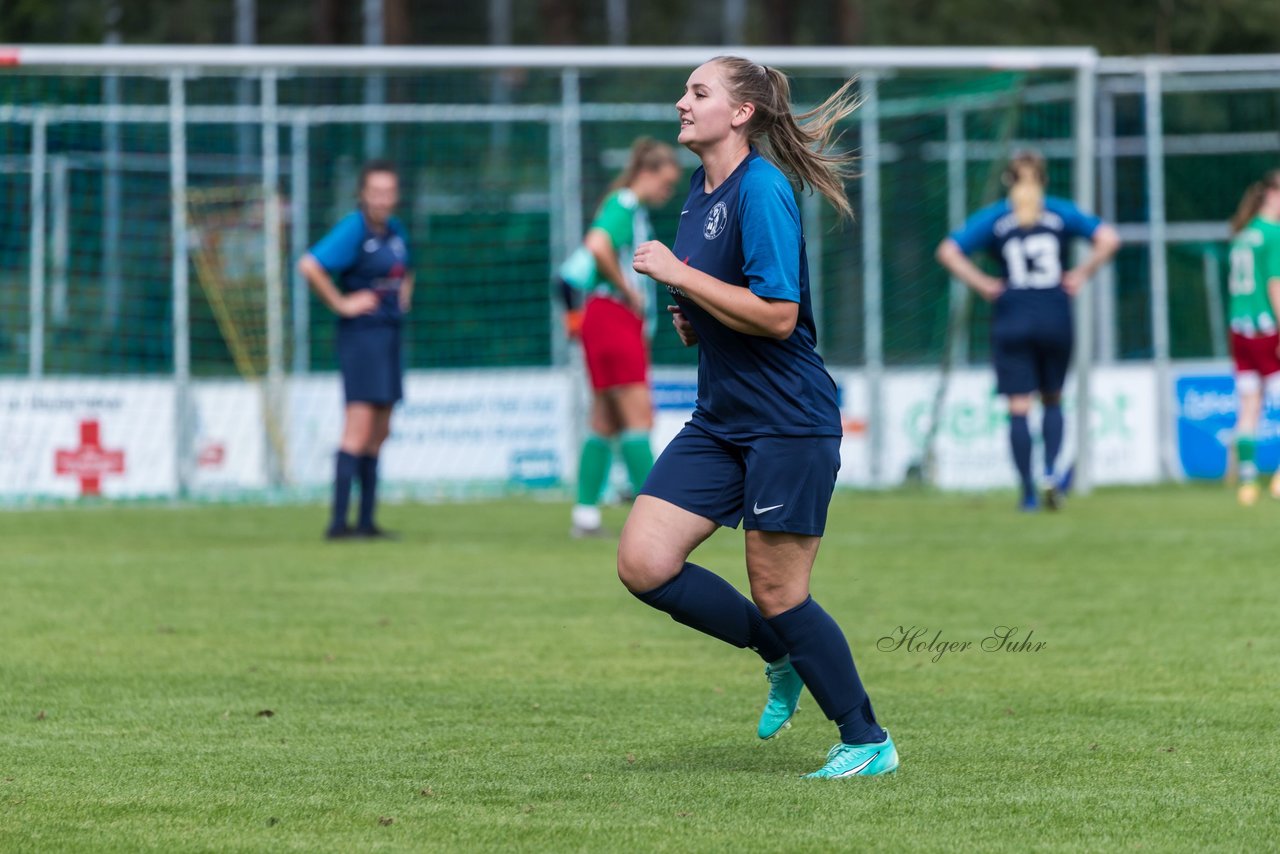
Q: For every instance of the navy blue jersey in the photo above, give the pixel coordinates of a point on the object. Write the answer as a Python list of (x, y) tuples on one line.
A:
[(357, 257), (747, 233), (1031, 258)]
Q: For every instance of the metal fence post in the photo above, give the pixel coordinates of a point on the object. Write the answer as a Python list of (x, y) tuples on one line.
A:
[(36, 283), (1105, 281), (299, 226), (181, 283), (1157, 253), (872, 282), (273, 255), (1084, 173), (957, 203), (569, 135), (811, 219)]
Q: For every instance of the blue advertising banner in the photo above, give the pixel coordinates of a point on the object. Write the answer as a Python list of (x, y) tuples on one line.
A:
[(1206, 426)]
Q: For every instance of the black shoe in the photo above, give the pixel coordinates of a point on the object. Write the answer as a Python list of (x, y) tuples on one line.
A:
[(335, 533), (373, 532)]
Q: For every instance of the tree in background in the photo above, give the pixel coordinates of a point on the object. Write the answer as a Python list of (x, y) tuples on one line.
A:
[(1163, 26)]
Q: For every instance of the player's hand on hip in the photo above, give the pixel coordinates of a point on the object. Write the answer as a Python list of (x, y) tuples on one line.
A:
[(656, 261), (1073, 281), (683, 327), (357, 303), (991, 289), (635, 302)]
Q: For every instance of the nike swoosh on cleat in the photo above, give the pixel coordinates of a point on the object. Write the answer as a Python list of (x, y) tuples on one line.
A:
[(862, 766), (757, 509), (682, 213)]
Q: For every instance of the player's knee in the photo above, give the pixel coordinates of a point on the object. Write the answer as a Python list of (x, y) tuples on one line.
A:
[(1051, 398), (640, 569), (634, 571), (1271, 389), (775, 596), (354, 442), (640, 421), (1019, 404), (603, 425)]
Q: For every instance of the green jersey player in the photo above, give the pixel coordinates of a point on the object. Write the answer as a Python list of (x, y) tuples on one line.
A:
[(1255, 304), (616, 324)]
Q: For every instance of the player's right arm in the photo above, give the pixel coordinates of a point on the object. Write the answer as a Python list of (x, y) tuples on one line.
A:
[(337, 251), (600, 244), (954, 251), (343, 305), (954, 259), (1272, 250)]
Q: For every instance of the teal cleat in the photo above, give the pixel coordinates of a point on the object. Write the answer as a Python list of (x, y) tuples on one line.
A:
[(785, 686), (858, 760)]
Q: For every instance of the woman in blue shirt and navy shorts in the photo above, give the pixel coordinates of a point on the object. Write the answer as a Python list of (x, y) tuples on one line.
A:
[(763, 445), (361, 271)]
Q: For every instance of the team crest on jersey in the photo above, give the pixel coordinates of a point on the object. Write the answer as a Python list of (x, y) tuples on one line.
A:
[(371, 245), (716, 221), (397, 246)]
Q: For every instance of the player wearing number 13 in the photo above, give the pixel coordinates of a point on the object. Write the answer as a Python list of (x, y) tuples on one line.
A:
[(1029, 234)]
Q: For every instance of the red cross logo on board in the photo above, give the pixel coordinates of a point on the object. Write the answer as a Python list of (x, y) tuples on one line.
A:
[(90, 461)]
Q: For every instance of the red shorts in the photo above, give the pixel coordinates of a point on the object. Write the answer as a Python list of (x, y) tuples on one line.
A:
[(613, 340), (1255, 357)]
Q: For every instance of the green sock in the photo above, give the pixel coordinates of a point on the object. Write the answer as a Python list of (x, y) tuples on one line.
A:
[(593, 469), (1245, 447), (638, 456)]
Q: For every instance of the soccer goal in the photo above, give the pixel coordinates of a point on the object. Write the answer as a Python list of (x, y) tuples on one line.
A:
[(163, 196)]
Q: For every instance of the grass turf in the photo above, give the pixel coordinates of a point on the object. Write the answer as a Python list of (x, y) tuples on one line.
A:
[(486, 684)]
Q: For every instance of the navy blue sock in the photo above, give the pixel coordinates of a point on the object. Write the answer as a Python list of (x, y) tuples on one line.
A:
[(1020, 441), (368, 467), (820, 654), (1052, 427), (704, 601), (344, 472)]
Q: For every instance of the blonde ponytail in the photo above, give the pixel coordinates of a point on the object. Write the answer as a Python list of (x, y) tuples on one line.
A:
[(1026, 177), (799, 145)]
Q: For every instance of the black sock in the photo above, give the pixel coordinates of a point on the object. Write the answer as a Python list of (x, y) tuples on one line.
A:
[(820, 654), (704, 601), (1053, 430), (1020, 443), (368, 466), (344, 472)]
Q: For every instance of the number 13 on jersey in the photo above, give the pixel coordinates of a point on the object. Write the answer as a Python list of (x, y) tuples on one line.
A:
[(1033, 261)]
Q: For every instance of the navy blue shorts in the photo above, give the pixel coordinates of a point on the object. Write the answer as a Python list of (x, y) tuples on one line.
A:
[(769, 483), (1031, 342), (369, 357)]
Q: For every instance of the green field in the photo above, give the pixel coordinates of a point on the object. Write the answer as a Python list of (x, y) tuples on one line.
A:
[(486, 684)]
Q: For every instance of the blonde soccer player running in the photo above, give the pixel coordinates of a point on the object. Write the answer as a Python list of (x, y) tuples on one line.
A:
[(763, 445)]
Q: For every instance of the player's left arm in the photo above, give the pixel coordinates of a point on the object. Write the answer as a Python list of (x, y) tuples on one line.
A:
[(406, 292), (736, 307), (1103, 237), (1273, 281)]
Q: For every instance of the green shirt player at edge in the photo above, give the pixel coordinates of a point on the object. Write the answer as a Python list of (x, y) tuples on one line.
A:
[(1254, 282)]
